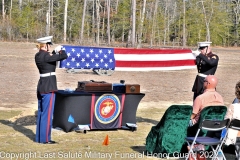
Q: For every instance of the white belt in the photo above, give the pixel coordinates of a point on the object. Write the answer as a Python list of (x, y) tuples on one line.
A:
[(202, 75), (47, 74)]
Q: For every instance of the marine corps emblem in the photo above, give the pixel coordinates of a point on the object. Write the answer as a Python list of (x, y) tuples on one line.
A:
[(107, 108)]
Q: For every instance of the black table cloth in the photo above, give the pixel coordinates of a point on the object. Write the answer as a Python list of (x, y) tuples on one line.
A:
[(79, 108)]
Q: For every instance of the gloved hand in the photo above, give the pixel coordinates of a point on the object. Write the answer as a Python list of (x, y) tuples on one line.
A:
[(58, 48), (196, 53), (190, 123)]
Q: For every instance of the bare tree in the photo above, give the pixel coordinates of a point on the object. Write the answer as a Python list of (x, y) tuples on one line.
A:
[(108, 20), (236, 11), (48, 18), (83, 19), (154, 22), (65, 22), (52, 14), (10, 11), (93, 21), (98, 21), (207, 18), (3, 11), (10, 20), (184, 27), (103, 22), (116, 6), (165, 22), (20, 4), (141, 25), (133, 22)]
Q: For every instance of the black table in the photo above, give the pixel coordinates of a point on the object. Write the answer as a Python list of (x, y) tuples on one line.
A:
[(79, 108)]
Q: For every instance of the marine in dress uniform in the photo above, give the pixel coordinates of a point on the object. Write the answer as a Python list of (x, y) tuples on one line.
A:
[(47, 85), (207, 63)]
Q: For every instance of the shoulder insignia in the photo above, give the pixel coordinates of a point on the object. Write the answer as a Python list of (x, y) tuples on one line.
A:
[(214, 57)]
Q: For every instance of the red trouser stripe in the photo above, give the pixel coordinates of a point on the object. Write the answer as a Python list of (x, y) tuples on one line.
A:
[(49, 116), (120, 118)]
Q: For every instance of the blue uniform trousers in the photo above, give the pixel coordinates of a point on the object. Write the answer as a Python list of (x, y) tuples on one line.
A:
[(44, 119)]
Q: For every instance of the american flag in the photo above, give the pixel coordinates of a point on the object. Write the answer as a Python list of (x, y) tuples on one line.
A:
[(82, 57), (127, 59)]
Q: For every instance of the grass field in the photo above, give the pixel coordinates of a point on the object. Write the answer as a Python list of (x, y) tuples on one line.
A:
[(18, 140)]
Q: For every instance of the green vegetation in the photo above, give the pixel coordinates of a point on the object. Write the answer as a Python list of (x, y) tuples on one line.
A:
[(217, 21)]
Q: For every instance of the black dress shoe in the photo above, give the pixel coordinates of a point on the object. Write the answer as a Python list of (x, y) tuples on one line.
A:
[(49, 142)]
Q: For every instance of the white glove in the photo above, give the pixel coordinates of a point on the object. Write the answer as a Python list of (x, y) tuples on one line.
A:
[(196, 53), (190, 123), (58, 48)]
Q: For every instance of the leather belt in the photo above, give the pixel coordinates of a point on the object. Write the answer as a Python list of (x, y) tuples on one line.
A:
[(202, 75), (47, 74)]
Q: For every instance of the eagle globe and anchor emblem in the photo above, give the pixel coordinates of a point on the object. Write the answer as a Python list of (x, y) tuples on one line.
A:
[(107, 108)]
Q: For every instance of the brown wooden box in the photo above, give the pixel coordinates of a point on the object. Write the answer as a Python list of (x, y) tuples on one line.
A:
[(94, 86), (132, 88)]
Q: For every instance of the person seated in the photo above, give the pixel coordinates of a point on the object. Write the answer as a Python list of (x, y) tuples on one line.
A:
[(210, 97), (233, 112)]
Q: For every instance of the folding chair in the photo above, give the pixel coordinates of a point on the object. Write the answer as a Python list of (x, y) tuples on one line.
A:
[(210, 113), (209, 125), (235, 124)]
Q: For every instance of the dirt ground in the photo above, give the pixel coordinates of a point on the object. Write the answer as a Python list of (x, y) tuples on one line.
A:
[(19, 77)]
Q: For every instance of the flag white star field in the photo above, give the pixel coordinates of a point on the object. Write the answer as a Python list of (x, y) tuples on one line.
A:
[(81, 57)]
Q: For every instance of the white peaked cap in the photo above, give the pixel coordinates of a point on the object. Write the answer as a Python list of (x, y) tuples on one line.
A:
[(197, 52), (45, 39), (204, 44)]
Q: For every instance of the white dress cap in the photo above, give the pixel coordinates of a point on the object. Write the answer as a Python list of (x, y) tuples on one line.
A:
[(204, 44), (45, 39)]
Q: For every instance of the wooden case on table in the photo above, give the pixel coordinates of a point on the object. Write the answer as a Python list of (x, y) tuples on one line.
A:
[(94, 86), (132, 88)]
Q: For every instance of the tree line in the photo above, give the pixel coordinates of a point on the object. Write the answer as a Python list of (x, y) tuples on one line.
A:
[(127, 23)]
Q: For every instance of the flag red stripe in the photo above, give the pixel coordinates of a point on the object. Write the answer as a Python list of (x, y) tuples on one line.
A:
[(92, 108), (155, 63), (151, 51)]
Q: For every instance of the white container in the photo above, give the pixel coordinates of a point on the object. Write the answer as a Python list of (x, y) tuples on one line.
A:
[(219, 156)]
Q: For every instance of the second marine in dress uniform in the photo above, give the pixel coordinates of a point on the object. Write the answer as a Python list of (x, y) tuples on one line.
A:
[(207, 63), (47, 85)]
